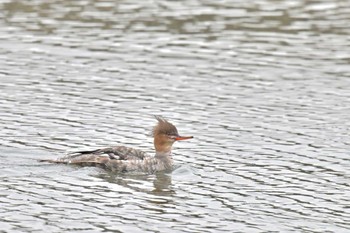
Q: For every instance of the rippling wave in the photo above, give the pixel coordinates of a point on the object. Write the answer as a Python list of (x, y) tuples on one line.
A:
[(263, 87)]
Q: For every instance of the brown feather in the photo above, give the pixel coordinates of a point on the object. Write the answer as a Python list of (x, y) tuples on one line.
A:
[(164, 127)]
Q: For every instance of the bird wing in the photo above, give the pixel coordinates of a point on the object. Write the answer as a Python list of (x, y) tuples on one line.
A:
[(118, 158), (102, 155)]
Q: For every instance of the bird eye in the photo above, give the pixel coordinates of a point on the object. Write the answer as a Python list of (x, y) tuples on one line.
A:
[(172, 136)]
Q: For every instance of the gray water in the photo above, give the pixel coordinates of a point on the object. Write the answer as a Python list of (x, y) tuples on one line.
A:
[(263, 86)]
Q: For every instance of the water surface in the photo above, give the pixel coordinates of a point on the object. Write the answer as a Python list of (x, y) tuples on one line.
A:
[(263, 86)]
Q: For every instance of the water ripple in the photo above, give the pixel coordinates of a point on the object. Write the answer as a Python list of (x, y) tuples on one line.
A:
[(261, 85)]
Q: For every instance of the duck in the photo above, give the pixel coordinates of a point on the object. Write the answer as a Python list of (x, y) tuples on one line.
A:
[(127, 159)]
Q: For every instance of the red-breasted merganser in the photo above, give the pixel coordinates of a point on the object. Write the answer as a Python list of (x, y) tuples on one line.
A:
[(122, 159)]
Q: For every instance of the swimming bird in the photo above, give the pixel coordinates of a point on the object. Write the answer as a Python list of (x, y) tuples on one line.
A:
[(124, 159)]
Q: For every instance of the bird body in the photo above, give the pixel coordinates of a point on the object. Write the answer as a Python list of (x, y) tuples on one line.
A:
[(123, 159)]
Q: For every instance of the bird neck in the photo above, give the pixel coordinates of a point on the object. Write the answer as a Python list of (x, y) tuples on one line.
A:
[(163, 146), (163, 155)]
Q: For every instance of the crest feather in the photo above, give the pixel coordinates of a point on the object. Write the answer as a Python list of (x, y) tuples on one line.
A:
[(164, 127)]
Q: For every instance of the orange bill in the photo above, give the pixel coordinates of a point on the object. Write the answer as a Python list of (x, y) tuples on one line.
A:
[(178, 138)]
